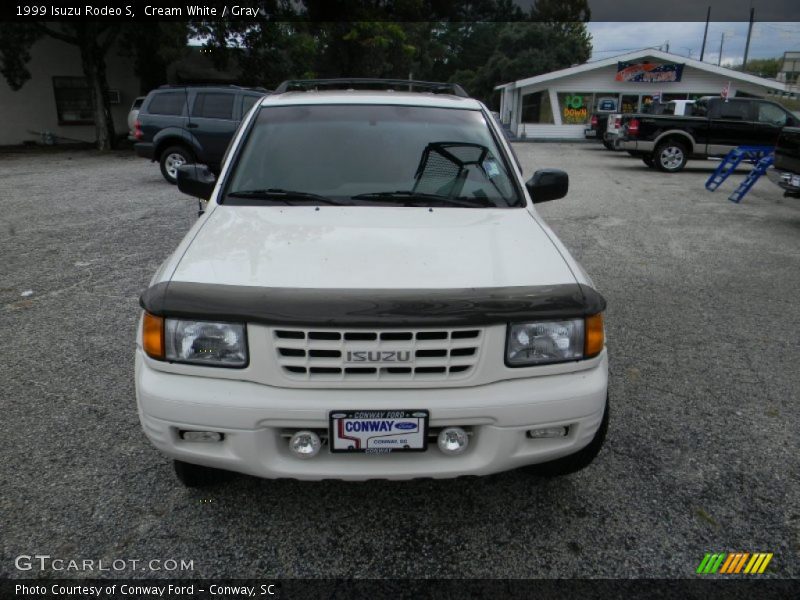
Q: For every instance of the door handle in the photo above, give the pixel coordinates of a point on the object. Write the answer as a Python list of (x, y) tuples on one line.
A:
[(192, 125)]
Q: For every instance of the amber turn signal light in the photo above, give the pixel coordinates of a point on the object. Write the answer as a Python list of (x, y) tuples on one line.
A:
[(153, 336), (595, 336)]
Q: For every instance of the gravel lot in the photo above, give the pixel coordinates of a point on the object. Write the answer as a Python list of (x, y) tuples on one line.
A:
[(702, 453)]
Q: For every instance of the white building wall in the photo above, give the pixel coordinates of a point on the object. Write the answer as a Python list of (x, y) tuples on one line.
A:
[(33, 107)]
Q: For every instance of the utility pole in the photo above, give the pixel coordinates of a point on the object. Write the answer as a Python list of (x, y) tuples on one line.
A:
[(747, 44), (721, 42), (705, 34)]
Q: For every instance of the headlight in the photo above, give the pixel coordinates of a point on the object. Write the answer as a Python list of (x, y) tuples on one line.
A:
[(205, 342), (196, 342), (554, 341)]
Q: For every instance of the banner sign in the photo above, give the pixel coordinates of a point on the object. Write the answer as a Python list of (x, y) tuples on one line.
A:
[(649, 72)]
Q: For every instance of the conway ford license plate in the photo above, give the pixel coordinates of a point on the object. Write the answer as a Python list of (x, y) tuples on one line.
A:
[(378, 431)]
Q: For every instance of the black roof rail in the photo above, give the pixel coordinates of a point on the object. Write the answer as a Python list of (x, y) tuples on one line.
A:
[(407, 85), (215, 85)]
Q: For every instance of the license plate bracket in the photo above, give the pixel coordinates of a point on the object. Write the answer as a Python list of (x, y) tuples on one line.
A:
[(378, 431)]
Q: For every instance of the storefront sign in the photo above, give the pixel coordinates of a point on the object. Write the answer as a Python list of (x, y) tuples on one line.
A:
[(574, 110), (649, 72)]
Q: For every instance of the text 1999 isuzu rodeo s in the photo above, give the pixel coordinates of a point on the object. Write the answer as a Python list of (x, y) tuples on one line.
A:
[(371, 294)]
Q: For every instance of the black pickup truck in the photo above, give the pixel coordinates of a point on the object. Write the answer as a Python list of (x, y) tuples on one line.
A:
[(714, 128), (787, 161)]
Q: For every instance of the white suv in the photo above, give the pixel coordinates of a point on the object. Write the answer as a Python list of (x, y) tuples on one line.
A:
[(371, 294)]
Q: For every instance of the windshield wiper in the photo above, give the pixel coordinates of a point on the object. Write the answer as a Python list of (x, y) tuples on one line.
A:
[(410, 198), (284, 195)]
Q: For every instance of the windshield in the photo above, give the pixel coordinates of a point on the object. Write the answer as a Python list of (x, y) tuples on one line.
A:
[(368, 154)]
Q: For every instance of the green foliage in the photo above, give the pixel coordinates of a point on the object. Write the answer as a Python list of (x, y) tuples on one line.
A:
[(763, 67), (478, 43), (15, 46), (152, 49)]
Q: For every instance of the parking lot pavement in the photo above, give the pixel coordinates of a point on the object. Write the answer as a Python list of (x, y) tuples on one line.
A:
[(702, 453)]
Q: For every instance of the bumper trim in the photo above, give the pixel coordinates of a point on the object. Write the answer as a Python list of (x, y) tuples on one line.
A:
[(145, 150)]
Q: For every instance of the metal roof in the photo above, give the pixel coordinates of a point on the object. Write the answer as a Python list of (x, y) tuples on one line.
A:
[(641, 54)]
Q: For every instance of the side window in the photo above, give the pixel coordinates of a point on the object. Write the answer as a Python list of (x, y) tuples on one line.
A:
[(169, 103), (771, 114), (247, 103), (731, 110), (213, 105), (700, 109)]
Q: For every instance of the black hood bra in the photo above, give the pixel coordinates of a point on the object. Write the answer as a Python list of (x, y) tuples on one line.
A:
[(323, 307)]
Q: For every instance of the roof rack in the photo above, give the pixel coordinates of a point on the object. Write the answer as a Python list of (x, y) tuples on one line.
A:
[(216, 85), (406, 85)]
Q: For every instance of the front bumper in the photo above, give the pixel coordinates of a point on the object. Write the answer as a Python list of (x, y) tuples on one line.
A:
[(787, 180), (254, 419)]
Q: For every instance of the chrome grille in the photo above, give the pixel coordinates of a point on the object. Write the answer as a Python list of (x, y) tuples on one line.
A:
[(379, 355)]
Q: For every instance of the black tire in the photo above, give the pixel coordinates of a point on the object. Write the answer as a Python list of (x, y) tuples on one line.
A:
[(671, 156), (196, 476), (575, 462), (608, 145), (649, 161), (171, 159)]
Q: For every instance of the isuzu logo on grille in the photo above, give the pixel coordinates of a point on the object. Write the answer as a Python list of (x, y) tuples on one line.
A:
[(379, 356)]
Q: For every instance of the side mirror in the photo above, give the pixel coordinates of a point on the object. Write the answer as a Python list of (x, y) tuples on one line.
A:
[(196, 180), (545, 185)]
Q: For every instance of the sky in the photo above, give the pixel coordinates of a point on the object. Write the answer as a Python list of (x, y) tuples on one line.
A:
[(768, 40)]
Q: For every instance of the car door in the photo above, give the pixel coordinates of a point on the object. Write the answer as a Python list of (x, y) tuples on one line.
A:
[(730, 125), (213, 123), (769, 120)]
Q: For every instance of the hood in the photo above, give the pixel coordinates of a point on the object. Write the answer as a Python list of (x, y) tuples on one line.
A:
[(371, 248)]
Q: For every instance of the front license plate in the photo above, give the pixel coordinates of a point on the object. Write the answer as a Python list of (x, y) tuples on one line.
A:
[(378, 431), (796, 180)]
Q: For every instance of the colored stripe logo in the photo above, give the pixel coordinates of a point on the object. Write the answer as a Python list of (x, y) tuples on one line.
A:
[(734, 563)]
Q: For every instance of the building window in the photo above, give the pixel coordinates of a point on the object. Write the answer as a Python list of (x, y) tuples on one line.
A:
[(575, 107), (630, 103), (536, 108), (74, 103)]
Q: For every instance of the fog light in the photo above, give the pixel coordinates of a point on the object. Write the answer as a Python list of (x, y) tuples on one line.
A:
[(201, 436), (453, 440), (547, 432), (305, 444)]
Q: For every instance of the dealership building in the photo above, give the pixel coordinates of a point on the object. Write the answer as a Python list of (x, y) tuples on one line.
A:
[(558, 105)]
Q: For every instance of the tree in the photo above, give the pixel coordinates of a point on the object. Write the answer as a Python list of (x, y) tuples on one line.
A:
[(763, 67), (151, 48), (479, 43), (93, 41)]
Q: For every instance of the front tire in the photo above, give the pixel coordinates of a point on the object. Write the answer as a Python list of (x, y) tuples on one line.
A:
[(172, 158), (580, 460), (671, 156), (608, 145), (197, 476)]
